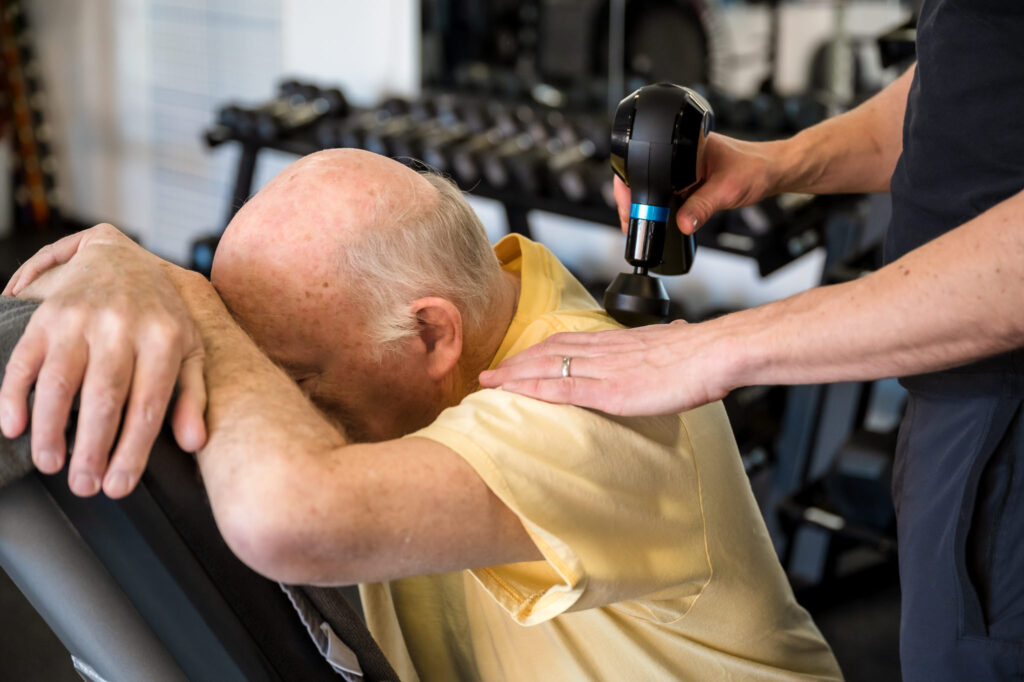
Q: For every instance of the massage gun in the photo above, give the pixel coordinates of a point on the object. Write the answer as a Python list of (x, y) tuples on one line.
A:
[(657, 148)]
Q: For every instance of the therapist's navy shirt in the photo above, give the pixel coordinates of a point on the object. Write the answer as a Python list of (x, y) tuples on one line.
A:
[(963, 149)]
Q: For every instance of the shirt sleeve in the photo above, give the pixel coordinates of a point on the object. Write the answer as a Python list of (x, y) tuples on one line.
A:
[(613, 503)]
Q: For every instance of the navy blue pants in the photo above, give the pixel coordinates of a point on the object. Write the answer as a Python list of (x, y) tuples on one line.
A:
[(959, 491)]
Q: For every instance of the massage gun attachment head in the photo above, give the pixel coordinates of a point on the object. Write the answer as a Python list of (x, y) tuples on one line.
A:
[(657, 148)]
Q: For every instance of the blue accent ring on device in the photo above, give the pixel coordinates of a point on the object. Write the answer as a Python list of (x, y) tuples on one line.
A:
[(648, 212)]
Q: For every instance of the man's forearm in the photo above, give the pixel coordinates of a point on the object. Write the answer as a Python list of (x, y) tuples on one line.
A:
[(949, 302), (297, 503), (854, 152), (266, 440)]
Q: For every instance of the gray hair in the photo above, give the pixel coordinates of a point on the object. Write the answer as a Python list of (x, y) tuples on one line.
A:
[(440, 251)]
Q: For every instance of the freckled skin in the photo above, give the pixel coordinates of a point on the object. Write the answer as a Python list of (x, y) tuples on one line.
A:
[(266, 269)]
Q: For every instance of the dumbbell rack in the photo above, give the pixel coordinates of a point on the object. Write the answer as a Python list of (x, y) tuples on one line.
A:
[(305, 141), (516, 205), (774, 233)]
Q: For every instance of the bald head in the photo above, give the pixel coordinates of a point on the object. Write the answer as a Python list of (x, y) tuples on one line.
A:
[(345, 232), (366, 281), (285, 242)]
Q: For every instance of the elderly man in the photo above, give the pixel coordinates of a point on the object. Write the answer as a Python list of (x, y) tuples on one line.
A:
[(496, 537)]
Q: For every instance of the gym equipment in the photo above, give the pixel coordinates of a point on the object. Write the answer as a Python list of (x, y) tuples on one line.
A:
[(521, 163), (467, 158), (437, 148), (566, 169), (296, 106), (657, 147)]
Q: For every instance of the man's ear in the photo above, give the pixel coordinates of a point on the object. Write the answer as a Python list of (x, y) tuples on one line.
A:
[(440, 332)]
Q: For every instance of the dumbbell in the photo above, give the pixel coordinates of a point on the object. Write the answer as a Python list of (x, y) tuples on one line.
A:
[(503, 118), (347, 132), (297, 106), (243, 123), (597, 132), (519, 163), (353, 130), (568, 172), (401, 136), (551, 124), (507, 122), (473, 113), (437, 148), (467, 157)]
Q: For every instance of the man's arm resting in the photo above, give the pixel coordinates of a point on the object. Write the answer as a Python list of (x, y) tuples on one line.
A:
[(299, 504)]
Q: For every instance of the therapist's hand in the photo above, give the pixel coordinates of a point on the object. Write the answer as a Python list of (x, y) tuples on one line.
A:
[(661, 369), (736, 173), (113, 329)]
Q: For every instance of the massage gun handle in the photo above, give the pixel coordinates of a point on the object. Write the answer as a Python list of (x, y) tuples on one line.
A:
[(654, 241)]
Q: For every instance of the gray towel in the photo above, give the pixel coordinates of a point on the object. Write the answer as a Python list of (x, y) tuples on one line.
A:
[(15, 456)]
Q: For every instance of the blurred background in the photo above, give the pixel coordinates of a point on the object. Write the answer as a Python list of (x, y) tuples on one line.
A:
[(163, 116)]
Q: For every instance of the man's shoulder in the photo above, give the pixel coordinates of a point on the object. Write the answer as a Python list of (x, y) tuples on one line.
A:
[(558, 321)]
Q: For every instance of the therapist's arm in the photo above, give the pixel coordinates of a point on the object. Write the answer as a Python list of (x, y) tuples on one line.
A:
[(852, 153), (954, 300)]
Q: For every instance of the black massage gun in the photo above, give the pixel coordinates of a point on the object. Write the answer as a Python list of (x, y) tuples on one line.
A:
[(657, 149)]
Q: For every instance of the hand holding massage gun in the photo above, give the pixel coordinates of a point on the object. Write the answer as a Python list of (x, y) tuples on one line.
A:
[(657, 149)]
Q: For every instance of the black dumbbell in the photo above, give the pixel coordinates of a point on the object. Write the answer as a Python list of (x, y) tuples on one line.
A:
[(307, 106), (519, 163), (467, 157), (401, 136), (588, 182), (596, 131), (437, 148), (297, 106), (567, 172), (472, 112), (503, 118)]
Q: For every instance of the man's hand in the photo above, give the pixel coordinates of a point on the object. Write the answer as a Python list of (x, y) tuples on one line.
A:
[(659, 369), (113, 329), (736, 173)]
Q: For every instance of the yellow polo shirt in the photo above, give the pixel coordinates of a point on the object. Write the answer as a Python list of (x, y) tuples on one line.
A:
[(657, 564)]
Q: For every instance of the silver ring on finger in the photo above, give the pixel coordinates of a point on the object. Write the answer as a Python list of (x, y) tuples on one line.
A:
[(566, 366)]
